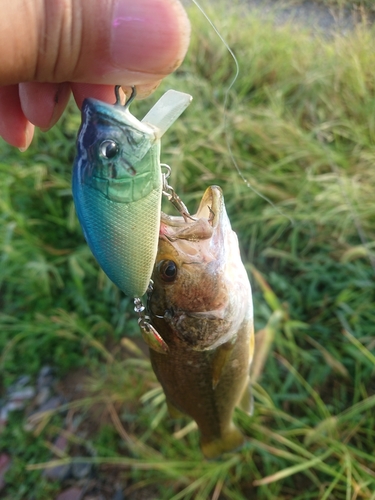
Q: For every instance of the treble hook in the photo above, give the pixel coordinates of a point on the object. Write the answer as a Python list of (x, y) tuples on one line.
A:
[(128, 101), (172, 196), (150, 335)]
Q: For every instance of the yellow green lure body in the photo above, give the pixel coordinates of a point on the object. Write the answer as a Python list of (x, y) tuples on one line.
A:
[(117, 186)]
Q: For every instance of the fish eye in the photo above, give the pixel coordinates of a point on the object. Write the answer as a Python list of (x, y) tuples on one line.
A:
[(167, 270), (108, 149)]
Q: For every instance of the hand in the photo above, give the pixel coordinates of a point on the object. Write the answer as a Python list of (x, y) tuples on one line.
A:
[(50, 48)]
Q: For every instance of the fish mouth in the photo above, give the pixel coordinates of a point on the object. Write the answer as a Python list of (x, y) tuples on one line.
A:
[(211, 208), (211, 205), (202, 238)]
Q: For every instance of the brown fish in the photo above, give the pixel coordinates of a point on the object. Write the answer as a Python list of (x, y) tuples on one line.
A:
[(201, 305)]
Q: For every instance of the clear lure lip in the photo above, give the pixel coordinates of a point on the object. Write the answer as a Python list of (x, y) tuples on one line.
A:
[(166, 111)]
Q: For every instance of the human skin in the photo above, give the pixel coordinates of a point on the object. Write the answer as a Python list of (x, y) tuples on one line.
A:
[(52, 48)]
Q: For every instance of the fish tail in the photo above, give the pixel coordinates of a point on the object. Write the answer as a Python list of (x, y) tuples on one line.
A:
[(229, 441)]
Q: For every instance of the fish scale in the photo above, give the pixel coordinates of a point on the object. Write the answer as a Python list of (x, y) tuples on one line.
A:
[(117, 223)]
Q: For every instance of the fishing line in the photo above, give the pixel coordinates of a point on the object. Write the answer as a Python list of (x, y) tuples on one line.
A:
[(225, 117), (345, 195)]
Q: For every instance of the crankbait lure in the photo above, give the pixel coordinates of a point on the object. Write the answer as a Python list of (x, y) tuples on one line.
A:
[(118, 185)]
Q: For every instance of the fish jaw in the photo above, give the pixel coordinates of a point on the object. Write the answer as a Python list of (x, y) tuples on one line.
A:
[(211, 295), (118, 199)]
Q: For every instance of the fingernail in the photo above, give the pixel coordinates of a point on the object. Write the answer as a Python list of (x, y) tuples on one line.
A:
[(146, 35), (29, 134), (53, 119)]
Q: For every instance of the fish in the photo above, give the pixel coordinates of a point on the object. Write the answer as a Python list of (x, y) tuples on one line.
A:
[(117, 185), (201, 306)]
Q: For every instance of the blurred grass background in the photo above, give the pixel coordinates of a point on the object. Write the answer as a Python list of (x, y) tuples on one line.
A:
[(300, 122)]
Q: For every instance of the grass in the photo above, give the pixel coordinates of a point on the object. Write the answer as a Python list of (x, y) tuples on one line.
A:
[(300, 124), (365, 5)]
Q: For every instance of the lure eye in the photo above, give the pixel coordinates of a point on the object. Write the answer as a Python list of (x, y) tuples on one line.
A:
[(108, 149), (167, 270)]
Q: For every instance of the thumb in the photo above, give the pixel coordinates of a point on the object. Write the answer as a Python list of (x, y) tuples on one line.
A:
[(128, 42), (50, 47)]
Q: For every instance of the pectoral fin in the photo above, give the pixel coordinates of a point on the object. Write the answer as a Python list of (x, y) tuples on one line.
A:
[(247, 400), (221, 357)]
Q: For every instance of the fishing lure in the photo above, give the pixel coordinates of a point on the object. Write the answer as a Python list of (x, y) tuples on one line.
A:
[(118, 184)]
